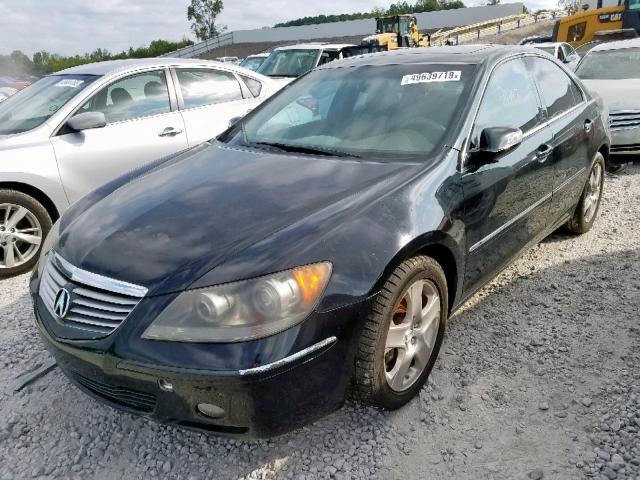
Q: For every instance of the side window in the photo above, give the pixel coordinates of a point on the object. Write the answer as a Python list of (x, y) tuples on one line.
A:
[(510, 100), (207, 86), (254, 86), (559, 92), (327, 57), (136, 96), (576, 32)]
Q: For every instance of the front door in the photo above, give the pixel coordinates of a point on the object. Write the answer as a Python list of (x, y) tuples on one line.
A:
[(507, 200), (140, 128)]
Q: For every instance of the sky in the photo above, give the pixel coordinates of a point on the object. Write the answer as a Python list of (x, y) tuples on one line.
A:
[(77, 26)]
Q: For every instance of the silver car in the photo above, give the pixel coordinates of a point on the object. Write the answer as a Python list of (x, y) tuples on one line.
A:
[(613, 71), (73, 131)]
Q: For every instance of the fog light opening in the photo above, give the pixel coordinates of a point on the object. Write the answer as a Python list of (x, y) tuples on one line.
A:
[(211, 411), (165, 385)]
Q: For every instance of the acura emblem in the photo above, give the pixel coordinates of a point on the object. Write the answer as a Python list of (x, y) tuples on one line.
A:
[(61, 305)]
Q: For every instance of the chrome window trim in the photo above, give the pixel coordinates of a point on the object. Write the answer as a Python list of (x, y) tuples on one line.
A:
[(291, 358), (97, 281), (504, 226)]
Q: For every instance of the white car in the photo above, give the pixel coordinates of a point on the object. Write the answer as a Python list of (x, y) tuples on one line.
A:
[(71, 132), (562, 51), (296, 60), (6, 92)]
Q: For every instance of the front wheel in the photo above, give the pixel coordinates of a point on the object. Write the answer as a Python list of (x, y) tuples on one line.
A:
[(589, 204), (24, 223), (402, 335)]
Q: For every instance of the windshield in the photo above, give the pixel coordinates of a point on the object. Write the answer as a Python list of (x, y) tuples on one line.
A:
[(610, 65), (370, 111), (387, 25), (252, 63), (289, 63), (34, 105)]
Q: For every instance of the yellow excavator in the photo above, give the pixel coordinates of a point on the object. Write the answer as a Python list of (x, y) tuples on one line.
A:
[(393, 32), (600, 24)]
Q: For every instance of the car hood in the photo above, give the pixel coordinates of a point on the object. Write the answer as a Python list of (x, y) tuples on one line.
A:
[(168, 227), (617, 94)]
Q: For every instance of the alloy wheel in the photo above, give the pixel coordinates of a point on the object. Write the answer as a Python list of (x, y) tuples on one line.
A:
[(592, 196), (20, 235), (412, 335)]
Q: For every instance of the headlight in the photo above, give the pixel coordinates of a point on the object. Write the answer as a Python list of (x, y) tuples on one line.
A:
[(242, 311)]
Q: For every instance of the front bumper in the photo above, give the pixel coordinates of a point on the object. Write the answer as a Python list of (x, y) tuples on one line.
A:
[(262, 401), (625, 141)]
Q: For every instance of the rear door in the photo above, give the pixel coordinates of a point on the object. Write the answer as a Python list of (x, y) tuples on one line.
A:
[(507, 201), (568, 118), (208, 99), (142, 125)]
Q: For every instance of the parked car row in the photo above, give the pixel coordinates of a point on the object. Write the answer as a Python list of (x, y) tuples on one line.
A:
[(318, 245)]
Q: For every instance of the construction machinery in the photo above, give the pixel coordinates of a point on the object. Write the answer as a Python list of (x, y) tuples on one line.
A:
[(395, 31), (600, 24)]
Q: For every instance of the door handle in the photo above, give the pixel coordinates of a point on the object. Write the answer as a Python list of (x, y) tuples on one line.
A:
[(543, 152), (169, 132), (588, 123)]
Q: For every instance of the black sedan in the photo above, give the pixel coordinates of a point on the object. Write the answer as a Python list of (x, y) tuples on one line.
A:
[(320, 244)]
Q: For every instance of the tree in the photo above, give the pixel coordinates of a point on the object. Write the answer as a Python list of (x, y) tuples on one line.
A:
[(203, 15), (571, 6), (493, 2)]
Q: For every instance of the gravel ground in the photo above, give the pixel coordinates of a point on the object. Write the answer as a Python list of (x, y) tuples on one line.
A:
[(538, 378)]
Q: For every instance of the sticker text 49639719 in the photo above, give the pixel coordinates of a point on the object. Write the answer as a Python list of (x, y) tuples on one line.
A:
[(428, 77)]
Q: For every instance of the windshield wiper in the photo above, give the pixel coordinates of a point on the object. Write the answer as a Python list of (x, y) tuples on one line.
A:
[(302, 149)]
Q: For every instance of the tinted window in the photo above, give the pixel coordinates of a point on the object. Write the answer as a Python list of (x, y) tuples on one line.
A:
[(381, 112), (35, 104), (136, 96), (568, 51), (559, 93), (510, 100), (206, 87)]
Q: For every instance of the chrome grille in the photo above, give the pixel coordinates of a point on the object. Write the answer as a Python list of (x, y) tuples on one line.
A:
[(96, 303), (624, 119)]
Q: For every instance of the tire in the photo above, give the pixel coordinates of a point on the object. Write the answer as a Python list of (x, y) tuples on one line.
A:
[(586, 211), (24, 223), (376, 360)]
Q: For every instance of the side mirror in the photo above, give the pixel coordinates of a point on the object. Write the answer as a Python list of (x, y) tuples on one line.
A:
[(497, 140), (493, 142), (87, 121)]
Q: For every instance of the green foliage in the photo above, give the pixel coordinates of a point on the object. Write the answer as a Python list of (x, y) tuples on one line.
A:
[(44, 62), (394, 9), (203, 15)]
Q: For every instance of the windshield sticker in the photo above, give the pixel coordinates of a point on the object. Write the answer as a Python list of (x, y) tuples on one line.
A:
[(450, 76), (69, 82)]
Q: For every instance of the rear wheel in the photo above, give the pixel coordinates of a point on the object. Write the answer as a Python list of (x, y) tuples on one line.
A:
[(24, 223), (589, 204), (402, 337)]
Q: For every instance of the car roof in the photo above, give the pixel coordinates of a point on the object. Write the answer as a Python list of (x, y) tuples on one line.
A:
[(258, 55), (472, 54), (546, 44), (318, 46), (111, 67), (617, 45)]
